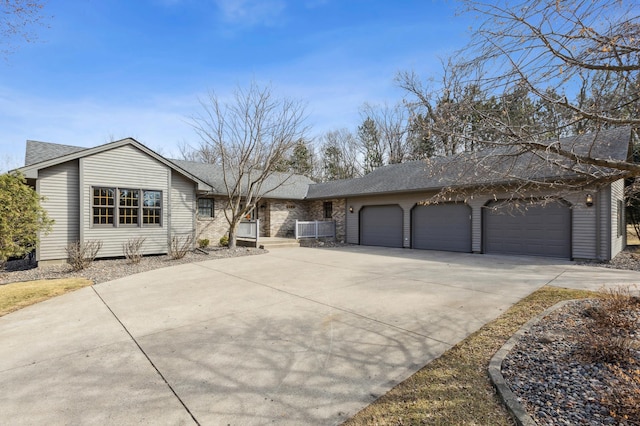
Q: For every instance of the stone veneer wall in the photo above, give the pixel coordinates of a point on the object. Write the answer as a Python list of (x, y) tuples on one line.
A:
[(284, 214), (316, 212), (277, 219), (215, 227), (264, 214)]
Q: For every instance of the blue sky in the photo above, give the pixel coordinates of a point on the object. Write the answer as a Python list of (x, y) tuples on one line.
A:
[(111, 69)]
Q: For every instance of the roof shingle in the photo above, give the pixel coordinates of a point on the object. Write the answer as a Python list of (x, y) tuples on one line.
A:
[(494, 166), (38, 152)]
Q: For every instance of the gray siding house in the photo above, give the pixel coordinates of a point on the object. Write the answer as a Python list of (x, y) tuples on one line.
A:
[(495, 202), (111, 193), (122, 189)]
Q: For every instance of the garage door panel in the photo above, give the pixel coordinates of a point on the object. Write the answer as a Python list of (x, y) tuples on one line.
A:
[(381, 226), (441, 227), (538, 230)]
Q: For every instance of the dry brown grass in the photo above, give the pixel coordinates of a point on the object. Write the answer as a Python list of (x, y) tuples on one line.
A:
[(623, 397), (610, 334), (18, 295), (455, 388)]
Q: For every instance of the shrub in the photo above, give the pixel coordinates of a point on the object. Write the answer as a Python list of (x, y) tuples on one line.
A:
[(180, 246), (224, 241), (609, 336), (81, 254), (132, 249), (21, 217), (622, 396), (203, 243)]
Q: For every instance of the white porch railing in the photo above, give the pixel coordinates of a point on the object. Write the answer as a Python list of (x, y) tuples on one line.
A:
[(315, 229), (249, 230)]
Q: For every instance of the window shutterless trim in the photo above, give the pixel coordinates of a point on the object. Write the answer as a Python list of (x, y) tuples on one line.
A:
[(126, 207), (103, 206), (327, 206), (206, 211)]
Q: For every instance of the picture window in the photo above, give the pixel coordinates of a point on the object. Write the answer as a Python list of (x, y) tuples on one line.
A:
[(122, 207)]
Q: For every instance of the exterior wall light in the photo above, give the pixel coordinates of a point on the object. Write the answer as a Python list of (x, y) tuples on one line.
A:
[(350, 209), (589, 200)]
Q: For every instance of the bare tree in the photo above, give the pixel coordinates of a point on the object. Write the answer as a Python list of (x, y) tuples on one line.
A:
[(203, 153), (250, 134), (18, 18), (546, 69), (340, 155), (392, 125)]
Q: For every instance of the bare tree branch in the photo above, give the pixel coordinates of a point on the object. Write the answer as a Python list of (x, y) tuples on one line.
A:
[(18, 20), (249, 135)]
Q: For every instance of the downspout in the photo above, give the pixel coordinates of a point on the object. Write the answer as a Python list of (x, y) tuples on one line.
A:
[(609, 221), (598, 227), (167, 210)]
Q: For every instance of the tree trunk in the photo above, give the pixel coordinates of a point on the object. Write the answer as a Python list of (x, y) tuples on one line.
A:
[(232, 235)]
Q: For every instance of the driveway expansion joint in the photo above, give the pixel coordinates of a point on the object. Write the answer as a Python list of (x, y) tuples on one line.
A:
[(147, 357)]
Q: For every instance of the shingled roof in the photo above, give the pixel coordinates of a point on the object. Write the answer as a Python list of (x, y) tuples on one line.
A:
[(277, 185), (494, 166), (499, 165), (38, 152)]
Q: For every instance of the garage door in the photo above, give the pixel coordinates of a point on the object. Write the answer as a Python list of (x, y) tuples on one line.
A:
[(441, 227), (381, 226), (538, 230)]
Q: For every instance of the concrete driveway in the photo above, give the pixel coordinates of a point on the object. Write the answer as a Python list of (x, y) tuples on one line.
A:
[(296, 336)]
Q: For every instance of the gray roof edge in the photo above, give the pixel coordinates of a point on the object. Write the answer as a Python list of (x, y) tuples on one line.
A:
[(105, 147), (505, 183)]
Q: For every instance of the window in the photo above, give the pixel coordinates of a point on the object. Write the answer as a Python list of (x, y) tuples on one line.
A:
[(129, 206), (103, 206), (130, 211), (152, 210), (205, 207), (328, 209)]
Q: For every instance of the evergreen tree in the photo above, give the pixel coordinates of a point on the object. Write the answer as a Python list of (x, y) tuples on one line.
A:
[(369, 137), (22, 217), (301, 160), (420, 143)]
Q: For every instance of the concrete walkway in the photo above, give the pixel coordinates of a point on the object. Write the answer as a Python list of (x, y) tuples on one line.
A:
[(296, 336)]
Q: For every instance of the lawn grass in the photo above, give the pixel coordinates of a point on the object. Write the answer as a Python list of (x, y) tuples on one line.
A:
[(18, 295), (455, 389)]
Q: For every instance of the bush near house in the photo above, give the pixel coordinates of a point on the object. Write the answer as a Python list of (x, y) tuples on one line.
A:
[(22, 217), (132, 249), (81, 254), (180, 246)]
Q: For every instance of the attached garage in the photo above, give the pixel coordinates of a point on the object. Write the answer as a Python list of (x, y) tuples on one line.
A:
[(519, 227), (441, 227), (381, 226)]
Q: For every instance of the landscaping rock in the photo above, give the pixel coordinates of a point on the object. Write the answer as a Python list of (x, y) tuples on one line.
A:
[(545, 371)]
